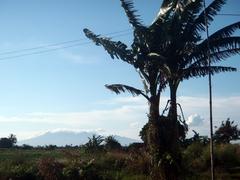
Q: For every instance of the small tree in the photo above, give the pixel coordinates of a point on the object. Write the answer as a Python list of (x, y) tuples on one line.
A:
[(94, 143), (8, 142), (12, 138), (111, 143), (227, 132)]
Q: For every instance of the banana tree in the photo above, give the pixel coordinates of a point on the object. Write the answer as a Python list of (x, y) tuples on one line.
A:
[(185, 48), (165, 53)]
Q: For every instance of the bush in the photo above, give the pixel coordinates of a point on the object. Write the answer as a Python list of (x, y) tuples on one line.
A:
[(195, 157), (26, 146), (136, 147), (49, 168), (226, 156), (138, 161), (17, 168)]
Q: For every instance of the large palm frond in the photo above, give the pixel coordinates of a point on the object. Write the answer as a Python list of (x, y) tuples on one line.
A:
[(130, 12), (217, 45), (118, 88), (210, 12), (196, 23), (221, 47), (227, 31), (115, 49), (216, 57), (165, 11), (205, 70), (139, 30)]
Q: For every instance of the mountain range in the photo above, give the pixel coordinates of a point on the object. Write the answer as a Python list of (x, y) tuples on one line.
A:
[(63, 138)]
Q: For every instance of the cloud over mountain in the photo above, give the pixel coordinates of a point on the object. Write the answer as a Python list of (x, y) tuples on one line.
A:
[(195, 120)]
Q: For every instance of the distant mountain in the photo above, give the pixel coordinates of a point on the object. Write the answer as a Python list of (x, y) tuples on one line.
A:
[(63, 138)]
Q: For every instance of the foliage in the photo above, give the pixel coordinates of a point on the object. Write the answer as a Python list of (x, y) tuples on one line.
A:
[(204, 140), (227, 156), (8, 142), (227, 132), (167, 52), (26, 146), (49, 168), (13, 138), (197, 158), (16, 166), (163, 126), (94, 143), (80, 169), (135, 147), (111, 143), (50, 147), (138, 161), (194, 157), (75, 163)]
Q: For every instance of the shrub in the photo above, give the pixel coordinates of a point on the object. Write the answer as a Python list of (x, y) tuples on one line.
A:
[(226, 156), (135, 147), (195, 157), (49, 168), (138, 161), (17, 168), (26, 146)]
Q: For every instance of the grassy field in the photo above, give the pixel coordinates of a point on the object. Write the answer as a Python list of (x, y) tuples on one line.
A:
[(76, 163), (64, 163)]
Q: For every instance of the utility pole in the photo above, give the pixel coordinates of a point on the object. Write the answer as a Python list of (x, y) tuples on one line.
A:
[(210, 95)]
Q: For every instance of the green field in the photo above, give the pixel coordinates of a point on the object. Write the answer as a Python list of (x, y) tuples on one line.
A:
[(76, 163)]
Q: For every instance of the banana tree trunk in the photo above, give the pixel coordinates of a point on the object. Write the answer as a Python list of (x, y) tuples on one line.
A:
[(153, 132), (173, 136), (173, 116), (160, 140), (173, 98)]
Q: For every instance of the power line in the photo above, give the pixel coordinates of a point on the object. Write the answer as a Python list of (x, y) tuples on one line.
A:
[(56, 44), (42, 52), (39, 47), (54, 49), (223, 14), (74, 43)]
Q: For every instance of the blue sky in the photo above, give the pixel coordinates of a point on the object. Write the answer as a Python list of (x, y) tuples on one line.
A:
[(64, 89)]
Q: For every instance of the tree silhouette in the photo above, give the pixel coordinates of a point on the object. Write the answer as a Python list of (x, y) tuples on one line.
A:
[(94, 143), (111, 143), (8, 142), (165, 53), (227, 132)]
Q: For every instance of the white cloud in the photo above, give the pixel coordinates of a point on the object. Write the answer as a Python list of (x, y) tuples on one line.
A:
[(195, 120), (126, 118), (137, 100), (22, 135)]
